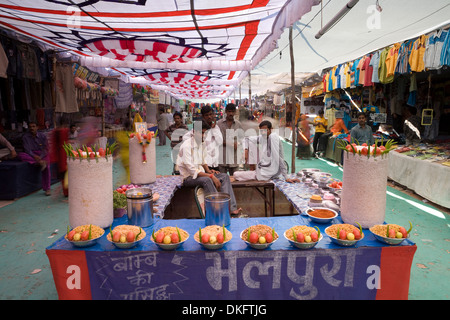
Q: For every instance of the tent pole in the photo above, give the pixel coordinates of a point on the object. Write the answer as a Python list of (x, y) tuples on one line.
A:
[(294, 106), (250, 91)]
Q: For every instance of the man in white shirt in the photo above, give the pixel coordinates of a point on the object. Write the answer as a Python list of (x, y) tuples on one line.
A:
[(163, 124), (194, 170), (267, 151)]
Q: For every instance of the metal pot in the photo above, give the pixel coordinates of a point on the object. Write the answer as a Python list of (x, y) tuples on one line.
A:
[(140, 207), (217, 209)]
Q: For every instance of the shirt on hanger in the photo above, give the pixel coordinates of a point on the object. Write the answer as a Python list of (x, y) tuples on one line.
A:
[(391, 59), (368, 71), (374, 63), (362, 71), (382, 69), (416, 58), (348, 77)]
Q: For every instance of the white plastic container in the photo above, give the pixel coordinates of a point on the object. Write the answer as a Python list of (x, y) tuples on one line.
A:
[(364, 184), (90, 192), (140, 172)]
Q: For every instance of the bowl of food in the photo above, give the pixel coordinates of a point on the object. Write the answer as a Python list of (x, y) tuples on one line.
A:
[(391, 234), (169, 238), (84, 236), (259, 236), (335, 186), (345, 234), (315, 201), (321, 214), (212, 237), (303, 237), (125, 236)]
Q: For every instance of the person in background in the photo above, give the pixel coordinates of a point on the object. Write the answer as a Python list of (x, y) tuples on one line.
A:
[(320, 123), (303, 136), (213, 139), (163, 124), (7, 144), (36, 149), (270, 157), (195, 171), (73, 133), (177, 139), (232, 151), (362, 133)]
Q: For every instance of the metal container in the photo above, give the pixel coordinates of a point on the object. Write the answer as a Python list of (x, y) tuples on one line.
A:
[(140, 207), (217, 208)]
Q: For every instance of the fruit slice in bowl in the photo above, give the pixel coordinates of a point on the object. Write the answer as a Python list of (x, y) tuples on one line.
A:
[(213, 237), (303, 237), (345, 234), (169, 238), (259, 236), (125, 236), (392, 234)]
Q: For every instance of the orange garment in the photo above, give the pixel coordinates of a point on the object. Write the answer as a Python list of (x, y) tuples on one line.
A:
[(391, 60), (416, 58), (338, 126)]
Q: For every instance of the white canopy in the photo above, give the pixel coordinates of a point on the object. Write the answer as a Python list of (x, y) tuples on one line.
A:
[(363, 30)]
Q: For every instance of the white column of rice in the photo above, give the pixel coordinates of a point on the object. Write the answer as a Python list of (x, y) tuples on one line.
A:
[(364, 184), (91, 192), (142, 173)]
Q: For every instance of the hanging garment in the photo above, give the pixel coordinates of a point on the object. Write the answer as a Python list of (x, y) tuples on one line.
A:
[(362, 71), (374, 63), (357, 71), (391, 60), (66, 99), (445, 54), (382, 69), (416, 58), (348, 77), (368, 71), (3, 63), (403, 57)]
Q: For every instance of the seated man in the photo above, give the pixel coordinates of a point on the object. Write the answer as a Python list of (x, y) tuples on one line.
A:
[(36, 149), (7, 144), (192, 166), (362, 133), (270, 161)]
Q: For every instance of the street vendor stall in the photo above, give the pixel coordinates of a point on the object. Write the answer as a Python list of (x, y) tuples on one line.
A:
[(422, 172), (368, 270)]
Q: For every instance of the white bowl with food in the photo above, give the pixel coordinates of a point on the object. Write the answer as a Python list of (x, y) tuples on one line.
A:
[(126, 236), (303, 237), (169, 238), (259, 236), (213, 237), (84, 236)]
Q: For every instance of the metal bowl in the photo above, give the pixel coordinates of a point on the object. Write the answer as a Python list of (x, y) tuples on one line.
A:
[(344, 243), (258, 246), (169, 246), (303, 245), (209, 246), (387, 240), (86, 243), (125, 245), (320, 220)]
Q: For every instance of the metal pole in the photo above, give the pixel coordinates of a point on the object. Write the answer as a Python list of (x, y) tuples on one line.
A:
[(294, 106)]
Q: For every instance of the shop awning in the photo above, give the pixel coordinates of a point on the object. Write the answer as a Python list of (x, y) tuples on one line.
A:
[(362, 30), (204, 43)]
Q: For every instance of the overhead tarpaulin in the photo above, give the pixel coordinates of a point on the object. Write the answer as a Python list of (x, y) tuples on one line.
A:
[(362, 30), (215, 40)]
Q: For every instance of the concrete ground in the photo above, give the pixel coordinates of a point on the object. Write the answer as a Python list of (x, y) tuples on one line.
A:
[(30, 224)]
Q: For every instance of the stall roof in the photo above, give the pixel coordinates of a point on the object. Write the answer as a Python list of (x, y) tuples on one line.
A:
[(363, 30), (208, 46)]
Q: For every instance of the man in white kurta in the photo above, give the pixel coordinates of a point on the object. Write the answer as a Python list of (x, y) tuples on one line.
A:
[(194, 170)]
